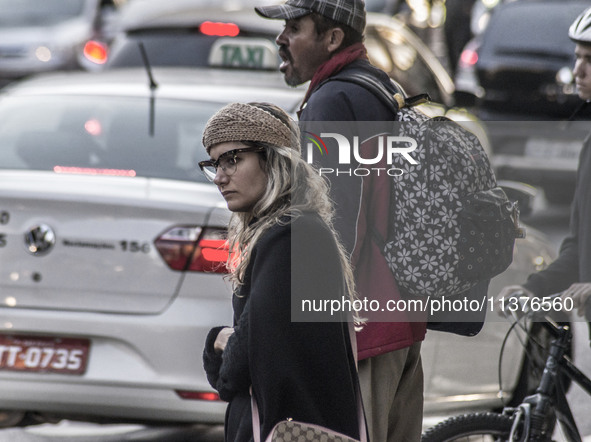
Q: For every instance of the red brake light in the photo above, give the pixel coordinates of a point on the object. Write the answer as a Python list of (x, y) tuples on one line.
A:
[(194, 249), (219, 29), (198, 395), (96, 51), (94, 171), (93, 127), (468, 58)]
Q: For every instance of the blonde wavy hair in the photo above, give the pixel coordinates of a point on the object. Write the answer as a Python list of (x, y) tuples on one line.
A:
[(293, 187)]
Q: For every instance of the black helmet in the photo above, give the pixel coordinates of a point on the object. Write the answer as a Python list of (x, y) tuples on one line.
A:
[(580, 30)]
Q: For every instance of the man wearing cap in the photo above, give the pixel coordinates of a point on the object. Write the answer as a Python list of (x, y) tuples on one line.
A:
[(323, 40)]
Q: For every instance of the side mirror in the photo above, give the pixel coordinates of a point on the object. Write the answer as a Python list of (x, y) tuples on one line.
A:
[(523, 193)]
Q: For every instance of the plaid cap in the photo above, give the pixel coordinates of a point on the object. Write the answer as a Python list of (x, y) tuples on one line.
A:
[(347, 12)]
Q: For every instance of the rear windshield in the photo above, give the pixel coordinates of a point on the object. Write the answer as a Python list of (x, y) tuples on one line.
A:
[(104, 135), (164, 48), (533, 29), (184, 47)]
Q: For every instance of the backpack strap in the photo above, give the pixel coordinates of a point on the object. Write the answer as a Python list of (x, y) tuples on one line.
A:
[(395, 101)]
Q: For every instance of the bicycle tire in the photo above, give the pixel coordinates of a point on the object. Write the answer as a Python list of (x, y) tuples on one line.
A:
[(471, 427)]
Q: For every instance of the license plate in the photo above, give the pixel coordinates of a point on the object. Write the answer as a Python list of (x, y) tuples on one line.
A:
[(542, 148), (44, 354)]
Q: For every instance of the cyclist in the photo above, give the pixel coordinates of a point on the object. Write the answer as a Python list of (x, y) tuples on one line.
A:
[(570, 273)]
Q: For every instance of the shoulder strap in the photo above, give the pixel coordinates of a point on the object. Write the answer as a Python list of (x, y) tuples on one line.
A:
[(395, 101)]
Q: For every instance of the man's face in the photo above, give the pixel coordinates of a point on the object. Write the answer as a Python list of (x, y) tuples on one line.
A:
[(582, 70), (301, 50)]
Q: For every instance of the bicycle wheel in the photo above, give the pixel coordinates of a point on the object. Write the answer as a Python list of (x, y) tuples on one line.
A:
[(473, 427)]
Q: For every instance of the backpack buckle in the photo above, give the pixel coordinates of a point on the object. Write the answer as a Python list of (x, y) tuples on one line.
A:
[(416, 100), (519, 230)]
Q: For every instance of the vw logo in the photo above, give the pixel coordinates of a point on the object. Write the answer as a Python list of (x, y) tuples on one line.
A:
[(39, 239)]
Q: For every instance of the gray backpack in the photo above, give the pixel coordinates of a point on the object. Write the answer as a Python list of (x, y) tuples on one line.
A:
[(451, 226)]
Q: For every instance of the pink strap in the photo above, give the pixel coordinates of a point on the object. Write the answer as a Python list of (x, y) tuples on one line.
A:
[(256, 422)]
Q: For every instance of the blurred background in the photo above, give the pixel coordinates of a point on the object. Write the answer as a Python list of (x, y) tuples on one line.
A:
[(112, 244)]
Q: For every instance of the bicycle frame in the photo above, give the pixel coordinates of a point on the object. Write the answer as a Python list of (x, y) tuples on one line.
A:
[(549, 396), (534, 420)]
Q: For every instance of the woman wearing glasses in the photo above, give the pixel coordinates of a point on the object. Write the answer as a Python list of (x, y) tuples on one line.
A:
[(284, 251)]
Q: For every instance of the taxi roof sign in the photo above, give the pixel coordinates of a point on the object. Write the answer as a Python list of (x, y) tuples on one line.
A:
[(244, 53)]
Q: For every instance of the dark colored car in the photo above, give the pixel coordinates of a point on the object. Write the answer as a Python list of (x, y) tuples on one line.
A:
[(185, 33), (41, 36), (520, 67)]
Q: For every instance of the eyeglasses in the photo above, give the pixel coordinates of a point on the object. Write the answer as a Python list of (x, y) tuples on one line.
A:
[(227, 161)]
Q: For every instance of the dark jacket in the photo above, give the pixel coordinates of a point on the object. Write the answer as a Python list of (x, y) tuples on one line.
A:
[(362, 204), (574, 262), (299, 370)]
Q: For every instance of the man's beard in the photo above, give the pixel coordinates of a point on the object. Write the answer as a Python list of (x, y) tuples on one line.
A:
[(292, 78)]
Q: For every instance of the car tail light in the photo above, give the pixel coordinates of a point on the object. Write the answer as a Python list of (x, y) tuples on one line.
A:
[(94, 127), (96, 52), (198, 395), (468, 58), (219, 29), (194, 249), (94, 171)]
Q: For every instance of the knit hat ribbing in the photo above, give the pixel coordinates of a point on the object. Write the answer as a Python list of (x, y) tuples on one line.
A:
[(245, 122)]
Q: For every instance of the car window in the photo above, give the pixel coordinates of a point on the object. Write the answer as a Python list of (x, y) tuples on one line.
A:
[(38, 13), (548, 37), (190, 47), (163, 48), (107, 136)]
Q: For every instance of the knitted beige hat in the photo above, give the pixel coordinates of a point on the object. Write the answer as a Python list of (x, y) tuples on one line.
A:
[(245, 122)]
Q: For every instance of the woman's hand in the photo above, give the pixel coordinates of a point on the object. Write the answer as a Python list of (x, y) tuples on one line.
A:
[(222, 339), (580, 293)]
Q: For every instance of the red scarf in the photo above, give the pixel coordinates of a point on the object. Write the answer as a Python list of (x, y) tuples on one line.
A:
[(333, 65)]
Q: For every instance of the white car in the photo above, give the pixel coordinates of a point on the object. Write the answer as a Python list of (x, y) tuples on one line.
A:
[(109, 238), (110, 247)]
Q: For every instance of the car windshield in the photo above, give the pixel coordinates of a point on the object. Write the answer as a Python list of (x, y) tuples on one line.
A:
[(509, 35), (20, 13), (104, 136)]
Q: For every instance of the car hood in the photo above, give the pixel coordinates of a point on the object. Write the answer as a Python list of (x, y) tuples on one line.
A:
[(103, 258)]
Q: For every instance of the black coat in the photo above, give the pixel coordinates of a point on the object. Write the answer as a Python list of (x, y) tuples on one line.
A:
[(574, 262), (299, 370), (340, 101)]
